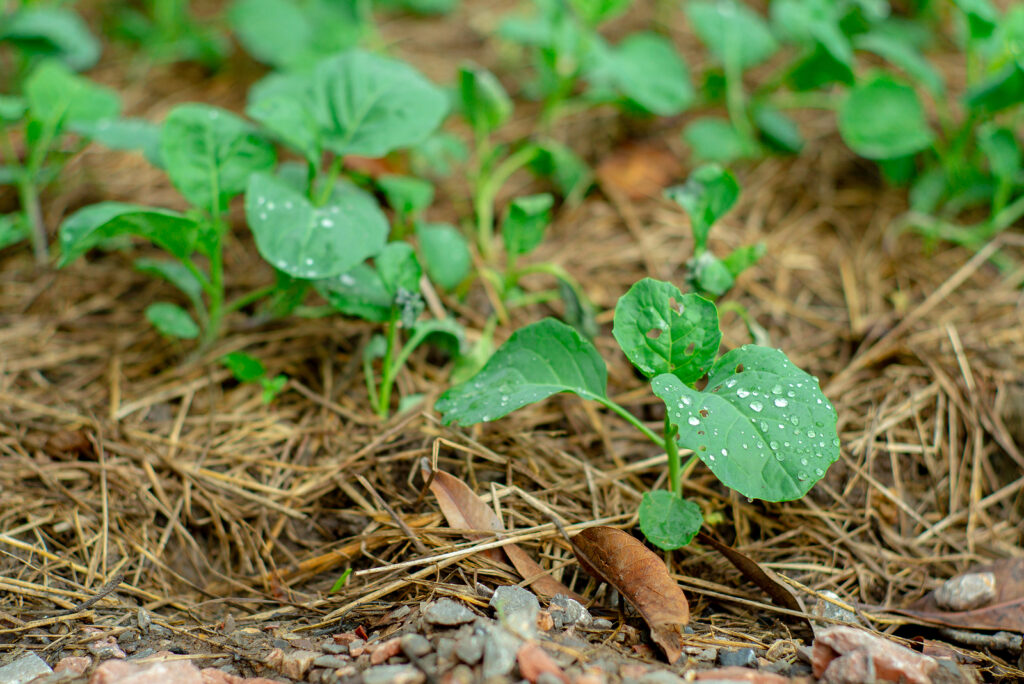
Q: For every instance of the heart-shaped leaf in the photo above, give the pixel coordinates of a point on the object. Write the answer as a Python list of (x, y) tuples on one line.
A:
[(668, 520), (54, 32), (369, 105), (96, 223), (537, 361), (761, 425), (60, 98), (311, 242), (661, 330), (210, 153), (666, 90), (882, 118)]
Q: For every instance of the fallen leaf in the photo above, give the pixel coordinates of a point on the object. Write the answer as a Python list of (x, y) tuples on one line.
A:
[(847, 654), (641, 577), (638, 171), (765, 579), (464, 510), (998, 587), (534, 661)]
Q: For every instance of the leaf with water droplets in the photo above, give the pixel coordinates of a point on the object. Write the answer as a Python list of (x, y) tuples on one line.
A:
[(761, 425)]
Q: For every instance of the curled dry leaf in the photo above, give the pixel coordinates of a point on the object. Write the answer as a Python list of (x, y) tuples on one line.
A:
[(988, 597), (464, 510), (642, 578)]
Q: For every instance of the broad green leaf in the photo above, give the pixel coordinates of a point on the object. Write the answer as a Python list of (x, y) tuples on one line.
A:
[(437, 155), (732, 32), (1002, 150), (96, 223), (715, 140), (57, 97), (982, 17), (777, 130), (818, 68), (52, 32), (424, 7), (537, 361), (665, 90), (668, 520), (370, 105), (406, 194), (761, 425), (569, 174), (882, 118), (286, 116), (524, 224), (708, 195), (313, 242), (594, 12), (710, 275), (244, 367), (1003, 89), (399, 268), (13, 229), (210, 154), (445, 253), (125, 134), (928, 190), (12, 108), (903, 55), (360, 292), (293, 35), (485, 104), (661, 330), (172, 320), (176, 274), (813, 22)]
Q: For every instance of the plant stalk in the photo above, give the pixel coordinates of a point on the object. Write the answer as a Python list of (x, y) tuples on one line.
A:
[(630, 418), (675, 480), (389, 368)]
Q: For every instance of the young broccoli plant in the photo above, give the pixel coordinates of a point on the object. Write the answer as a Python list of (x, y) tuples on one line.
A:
[(209, 155), (54, 113), (248, 369), (758, 422)]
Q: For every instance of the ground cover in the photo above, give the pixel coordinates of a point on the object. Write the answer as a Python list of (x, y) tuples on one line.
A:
[(244, 513)]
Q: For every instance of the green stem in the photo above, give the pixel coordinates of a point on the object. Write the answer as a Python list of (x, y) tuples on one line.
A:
[(735, 101), (630, 418), (487, 192), (333, 171), (371, 388), (675, 481), (531, 298), (28, 195), (389, 369), (215, 291), (248, 298)]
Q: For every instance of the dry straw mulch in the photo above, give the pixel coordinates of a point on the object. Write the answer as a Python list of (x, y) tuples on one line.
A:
[(122, 459)]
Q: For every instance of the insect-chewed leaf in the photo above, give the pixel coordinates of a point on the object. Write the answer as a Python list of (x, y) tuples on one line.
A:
[(311, 242), (662, 330), (464, 510), (761, 425), (641, 577), (535, 362), (883, 118), (369, 105), (210, 153)]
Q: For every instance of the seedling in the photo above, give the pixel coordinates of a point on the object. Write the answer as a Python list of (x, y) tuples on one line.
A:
[(56, 105), (35, 33), (759, 423), (209, 155), (248, 369), (168, 32)]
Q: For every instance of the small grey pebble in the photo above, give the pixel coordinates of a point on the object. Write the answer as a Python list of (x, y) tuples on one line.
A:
[(144, 653), (548, 678), (280, 643), (601, 624), (470, 649), (448, 613), (24, 669), (415, 645), (333, 662), (512, 599), (334, 649), (356, 644), (739, 657), (572, 612), (688, 630), (393, 674), (660, 677)]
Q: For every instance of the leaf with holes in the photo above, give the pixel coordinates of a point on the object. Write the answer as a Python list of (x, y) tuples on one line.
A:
[(761, 425), (537, 361), (308, 241), (661, 330)]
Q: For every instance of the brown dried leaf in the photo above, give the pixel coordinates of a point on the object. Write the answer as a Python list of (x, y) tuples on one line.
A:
[(998, 588), (638, 171), (641, 577), (464, 510), (765, 579)]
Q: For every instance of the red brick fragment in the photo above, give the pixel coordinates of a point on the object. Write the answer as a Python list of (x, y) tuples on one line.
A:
[(381, 652), (865, 651)]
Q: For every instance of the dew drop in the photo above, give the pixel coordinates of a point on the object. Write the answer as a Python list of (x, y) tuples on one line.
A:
[(725, 452), (803, 461), (774, 445), (693, 420), (742, 393), (756, 406), (781, 403), (794, 420), (777, 389), (685, 400)]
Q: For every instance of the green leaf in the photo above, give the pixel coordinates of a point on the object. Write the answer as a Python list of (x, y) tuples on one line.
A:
[(668, 520), (437, 155), (568, 172), (777, 130), (537, 361), (125, 134), (708, 194), (58, 97), (176, 274), (1003, 89), (12, 108), (360, 292), (91, 225), (399, 268), (661, 330), (244, 367), (210, 154), (579, 311), (665, 90), (594, 12), (903, 55), (928, 190), (731, 31), (982, 17), (13, 229), (524, 224), (485, 104), (369, 105), (742, 258), (293, 35), (1002, 150), (445, 253), (818, 68), (761, 425), (882, 118), (311, 242), (406, 194), (272, 387), (279, 104), (715, 140), (444, 333), (710, 275), (52, 32), (172, 320), (813, 23)]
